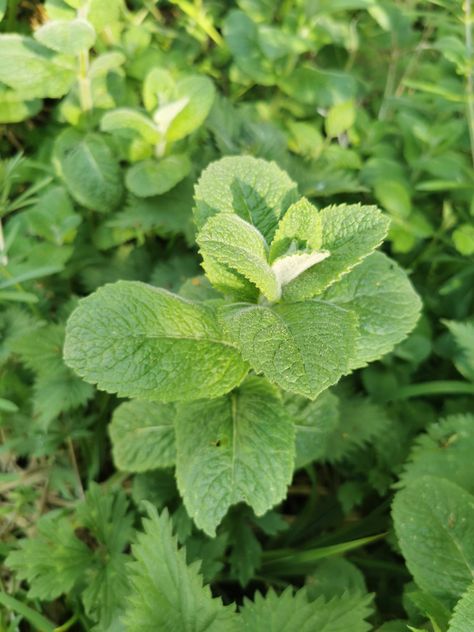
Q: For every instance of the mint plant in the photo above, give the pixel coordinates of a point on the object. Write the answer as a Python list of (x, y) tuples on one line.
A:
[(303, 300)]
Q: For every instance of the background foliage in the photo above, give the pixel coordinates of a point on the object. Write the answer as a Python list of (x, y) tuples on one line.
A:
[(366, 101)]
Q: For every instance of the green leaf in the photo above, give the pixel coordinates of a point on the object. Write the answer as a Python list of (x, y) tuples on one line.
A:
[(166, 593), (434, 523), (299, 229), (199, 93), (31, 69), (39, 622), (302, 347), (463, 333), (293, 611), (463, 614), (256, 190), (239, 448), (152, 177), (53, 216), (130, 123), (340, 118), (386, 304), (463, 238), (350, 233), (320, 88), (229, 240), (138, 341), (142, 435), (14, 108), (70, 37), (89, 169)]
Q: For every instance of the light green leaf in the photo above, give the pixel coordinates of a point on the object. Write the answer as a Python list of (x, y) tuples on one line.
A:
[(463, 614), (142, 435), (230, 240), (31, 69), (256, 190), (138, 341), (153, 177), (387, 306), (463, 239), (289, 267), (434, 523), (299, 229), (158, 87), (199, 93), (70, 37), (239, 448), (302, 347), (166, 593), (130, 122), (14, 108), (89, 170), (293, 611), (350, 233), (340, 118), (463, 333)]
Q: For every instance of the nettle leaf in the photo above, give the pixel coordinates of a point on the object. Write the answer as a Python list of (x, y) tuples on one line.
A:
[(130, 123), (350, 233), (434, 523), (293, 611), (67, 36), (89, 170), (142, 435), (166, 593), (463, 614), (256, 190), (446, 447), (32, 69), (230, 240), (239, 448), (199, 94), (302, 347), (153, 177), (135, 340), (387, 306), (314, 422)]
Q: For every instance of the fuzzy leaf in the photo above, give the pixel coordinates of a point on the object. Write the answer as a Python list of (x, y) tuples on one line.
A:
[(231, 241), (166, 593), (199, 94), (434, 523), (239, 448), (387, 306), (70, 37), (130, 122), (302, 347), (138, 341), (142, 435), (300, 226), (350, 233), (463, 614), (256, 190)]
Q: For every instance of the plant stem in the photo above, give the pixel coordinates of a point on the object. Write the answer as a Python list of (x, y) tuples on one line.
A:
[(469, 76), (3, 254), (441, 387), (85, 92)]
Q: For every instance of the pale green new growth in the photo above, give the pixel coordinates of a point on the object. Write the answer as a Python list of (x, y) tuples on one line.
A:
[(142, 435), (434, 522), (350, 233), (129, 123), (300, 228), (302, 347), (239, 448), (463, 615), (166, 593), (386, 304), (138, 341), (229, 240)]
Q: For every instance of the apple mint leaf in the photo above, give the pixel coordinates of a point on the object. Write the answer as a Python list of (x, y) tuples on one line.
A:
[(238, 448), (290, 267), (89, 169), (135, 340), (130, 123), (383, 298), (302, 347), (166, 593), (434, 523), (349, 233), (463, 334), (294, 611), (197, 94), (142, 435), (256, 190), (31, 70), (463, 614), (15, 108), (230, 240), (300, 229), (70, 37), (154, 177)]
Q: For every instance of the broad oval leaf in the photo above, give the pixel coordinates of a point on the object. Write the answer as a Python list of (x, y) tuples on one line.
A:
[(128, 122), (238, 448), (142, 435), (67, 36), (135, 340), (155, 177), (199, 92), (302, 347), (89, 170)]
